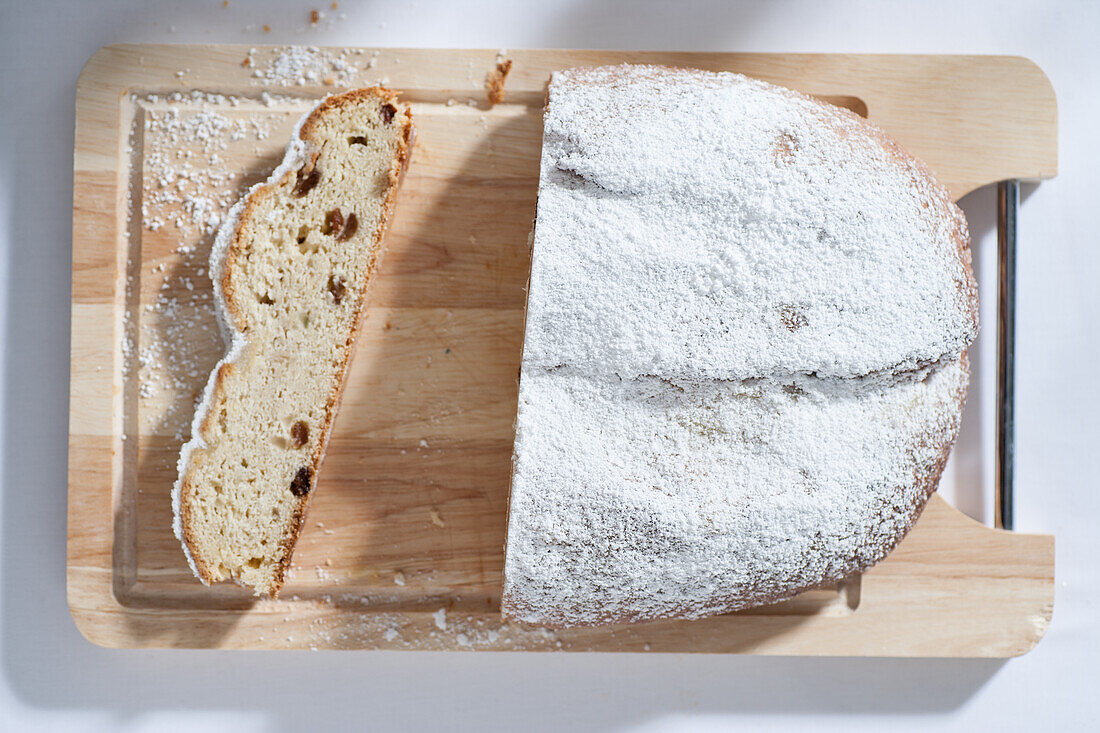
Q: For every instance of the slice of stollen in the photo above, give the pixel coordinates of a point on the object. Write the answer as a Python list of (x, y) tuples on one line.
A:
[(291, 267)]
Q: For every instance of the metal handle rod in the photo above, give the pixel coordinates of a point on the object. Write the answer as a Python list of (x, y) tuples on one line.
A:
[(1008, 202)]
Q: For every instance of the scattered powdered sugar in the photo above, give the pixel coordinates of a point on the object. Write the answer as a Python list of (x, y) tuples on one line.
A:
[(325, 575), (189, 182), (440, 619), (302, 65), (749, 387)]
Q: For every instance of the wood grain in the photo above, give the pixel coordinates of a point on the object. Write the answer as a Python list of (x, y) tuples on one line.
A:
[(403, 544)]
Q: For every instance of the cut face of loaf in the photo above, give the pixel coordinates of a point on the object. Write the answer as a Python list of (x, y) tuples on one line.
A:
[(291, 267), (744, 360)]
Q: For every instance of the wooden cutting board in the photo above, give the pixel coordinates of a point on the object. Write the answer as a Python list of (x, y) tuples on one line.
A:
[(402, 548)]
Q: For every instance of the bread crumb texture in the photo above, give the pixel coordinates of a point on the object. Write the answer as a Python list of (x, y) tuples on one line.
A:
[(291, 268), (744, 359)]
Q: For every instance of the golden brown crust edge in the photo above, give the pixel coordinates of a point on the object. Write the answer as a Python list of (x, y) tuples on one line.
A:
[(397, 172)]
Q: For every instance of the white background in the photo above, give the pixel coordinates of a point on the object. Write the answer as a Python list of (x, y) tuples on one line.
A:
[(51, 678)]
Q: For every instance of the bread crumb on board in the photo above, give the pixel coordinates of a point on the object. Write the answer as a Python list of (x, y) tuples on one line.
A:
[(494, 80)]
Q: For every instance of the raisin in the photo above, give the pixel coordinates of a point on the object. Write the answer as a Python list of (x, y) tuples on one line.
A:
[(388, 111), (358, 140), (300, 486), (334, 222), (351, 226), (299, 434), (306, 180), (337, 288)]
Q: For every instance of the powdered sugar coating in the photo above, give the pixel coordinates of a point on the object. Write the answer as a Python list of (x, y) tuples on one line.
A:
[(643, 499), (751, 230), (720, 406)]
